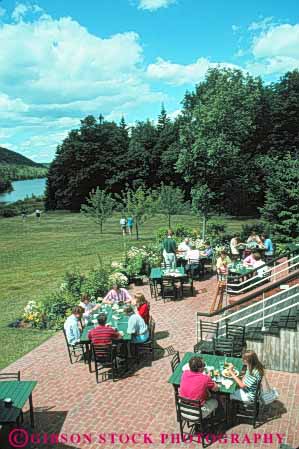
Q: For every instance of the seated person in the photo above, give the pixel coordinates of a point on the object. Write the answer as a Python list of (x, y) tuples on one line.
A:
[(208, 251), (267, 244), (249, 383), (195, 385), (254, 260), (116, 295), (249, 260), (254, 238), (136, 326), (258, 262), (193, 255), (87, 306), (143, 306), (222, 263), (102, 334), (71, 326), (183, 248), (235, 244)]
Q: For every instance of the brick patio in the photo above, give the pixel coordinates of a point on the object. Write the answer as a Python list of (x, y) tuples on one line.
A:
[(68, 400)]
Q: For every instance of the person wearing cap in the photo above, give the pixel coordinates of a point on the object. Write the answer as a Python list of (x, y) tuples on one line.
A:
[(136, 326), (196, 386)]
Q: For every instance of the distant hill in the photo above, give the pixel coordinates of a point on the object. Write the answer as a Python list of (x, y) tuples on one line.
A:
[(12, 158)]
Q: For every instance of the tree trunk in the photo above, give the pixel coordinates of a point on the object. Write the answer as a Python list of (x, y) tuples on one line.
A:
[(204, 227), (101, 227), (169, 221), (137, 231)]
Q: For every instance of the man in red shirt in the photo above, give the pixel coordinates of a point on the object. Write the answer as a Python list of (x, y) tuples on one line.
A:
[(102, 334), (195, 385)]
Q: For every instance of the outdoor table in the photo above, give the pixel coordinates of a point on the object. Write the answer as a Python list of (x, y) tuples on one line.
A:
[(158, 273), (237, 269), (210, 360), (19, 392), (120, 325)]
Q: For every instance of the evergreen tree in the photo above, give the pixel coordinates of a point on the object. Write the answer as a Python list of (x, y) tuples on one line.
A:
[(281, 207)]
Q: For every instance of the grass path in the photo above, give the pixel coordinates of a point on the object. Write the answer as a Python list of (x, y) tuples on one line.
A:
[(34, 257)]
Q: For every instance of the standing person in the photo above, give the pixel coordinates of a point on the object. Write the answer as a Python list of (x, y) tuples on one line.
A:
[(71, 326), (143, 306), (248, 385), (37, 214), (222, 264), (23, 214), (123, 225), (130, 223), (169, 250)]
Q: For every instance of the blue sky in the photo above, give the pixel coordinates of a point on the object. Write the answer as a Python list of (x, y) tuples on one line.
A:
[(62, 60)]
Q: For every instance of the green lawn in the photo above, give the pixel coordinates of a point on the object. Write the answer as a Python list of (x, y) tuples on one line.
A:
[(34, 257)]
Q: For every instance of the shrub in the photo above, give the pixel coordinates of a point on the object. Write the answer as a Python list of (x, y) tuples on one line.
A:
[(7, 212), (72, 283), (119, 279), (215, 229), (247, 229), (57, 307), (96, 282)]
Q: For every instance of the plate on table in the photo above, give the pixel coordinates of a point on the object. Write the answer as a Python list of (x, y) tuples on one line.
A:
[(115, 317), (226, 373)]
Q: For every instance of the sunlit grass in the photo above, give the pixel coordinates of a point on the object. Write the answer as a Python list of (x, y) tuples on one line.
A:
[(34, 257)]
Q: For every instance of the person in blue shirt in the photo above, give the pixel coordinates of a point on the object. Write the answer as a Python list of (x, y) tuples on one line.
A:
[(208, 251), (130, 223), (268, 245), (71, 326)]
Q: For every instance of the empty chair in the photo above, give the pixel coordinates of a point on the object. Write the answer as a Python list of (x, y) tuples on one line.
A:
[(207, 331), (236, 332), (168, 289), (224, 346), (175, 361), (10, 376), (187, 284)]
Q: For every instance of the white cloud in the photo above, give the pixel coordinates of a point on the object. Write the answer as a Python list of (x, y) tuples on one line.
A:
[(153, 5), (276, 50), (262, 24), (55, 71), (179, 74), (2, 11)]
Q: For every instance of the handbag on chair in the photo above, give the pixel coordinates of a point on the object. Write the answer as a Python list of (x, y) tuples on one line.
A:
[(268, 395)]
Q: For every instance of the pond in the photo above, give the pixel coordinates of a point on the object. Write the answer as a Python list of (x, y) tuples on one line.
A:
[(23, 189)]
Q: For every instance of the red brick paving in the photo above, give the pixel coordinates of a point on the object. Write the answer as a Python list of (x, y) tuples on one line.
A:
[(67, 399)]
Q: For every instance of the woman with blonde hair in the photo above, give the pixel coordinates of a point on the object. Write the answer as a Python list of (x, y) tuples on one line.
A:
[(253, 375), (143, 306)]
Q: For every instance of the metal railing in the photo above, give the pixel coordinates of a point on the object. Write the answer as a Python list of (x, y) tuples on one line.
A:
[(266, 308), (257, 280)]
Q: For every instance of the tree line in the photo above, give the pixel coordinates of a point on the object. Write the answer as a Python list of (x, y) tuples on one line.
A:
[(233, 149)]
